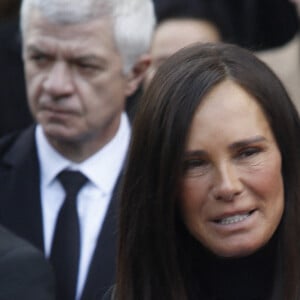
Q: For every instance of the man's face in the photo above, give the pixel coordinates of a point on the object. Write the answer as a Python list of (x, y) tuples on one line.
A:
[(75, 83)]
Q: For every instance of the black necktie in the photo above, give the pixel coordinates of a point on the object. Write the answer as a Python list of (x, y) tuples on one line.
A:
[(65, 250)]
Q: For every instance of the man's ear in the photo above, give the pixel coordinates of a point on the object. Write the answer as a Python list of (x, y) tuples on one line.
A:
[(137, 74)]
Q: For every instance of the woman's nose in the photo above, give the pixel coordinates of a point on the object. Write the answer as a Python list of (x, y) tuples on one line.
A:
[(227, 183)]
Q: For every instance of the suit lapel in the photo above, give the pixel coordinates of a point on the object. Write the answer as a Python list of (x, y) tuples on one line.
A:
[(21, 206)]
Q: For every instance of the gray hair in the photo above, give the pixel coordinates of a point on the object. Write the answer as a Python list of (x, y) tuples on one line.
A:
[(133, 21)]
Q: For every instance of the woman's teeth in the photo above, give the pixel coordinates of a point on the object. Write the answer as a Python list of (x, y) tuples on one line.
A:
[(233, 219)]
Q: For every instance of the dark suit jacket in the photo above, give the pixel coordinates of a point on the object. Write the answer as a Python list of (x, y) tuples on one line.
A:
[(20, 209), (24, 272)]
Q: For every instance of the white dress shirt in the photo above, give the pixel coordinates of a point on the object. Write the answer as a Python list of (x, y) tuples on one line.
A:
[(102, 169)]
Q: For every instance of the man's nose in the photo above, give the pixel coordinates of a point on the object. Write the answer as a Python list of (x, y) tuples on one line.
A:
[(227, 183), (59, 82)]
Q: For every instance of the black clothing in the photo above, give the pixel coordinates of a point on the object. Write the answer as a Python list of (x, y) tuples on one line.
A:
[(247, 278), (255, 277), (24, 271)]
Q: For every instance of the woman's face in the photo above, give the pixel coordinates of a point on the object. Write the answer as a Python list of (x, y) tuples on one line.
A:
[(232, 194)]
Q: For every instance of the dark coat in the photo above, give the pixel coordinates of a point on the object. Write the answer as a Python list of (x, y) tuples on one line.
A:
[(21, 209), (24, 272)]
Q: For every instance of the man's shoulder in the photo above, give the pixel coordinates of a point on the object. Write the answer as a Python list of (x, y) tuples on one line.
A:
[(9, 140)]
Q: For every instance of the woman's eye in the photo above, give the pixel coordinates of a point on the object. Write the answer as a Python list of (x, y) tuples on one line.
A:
[(193, 163), (194, 167), (248, 152)]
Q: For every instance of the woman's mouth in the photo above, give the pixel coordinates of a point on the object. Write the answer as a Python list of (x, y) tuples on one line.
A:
[(234, 218)]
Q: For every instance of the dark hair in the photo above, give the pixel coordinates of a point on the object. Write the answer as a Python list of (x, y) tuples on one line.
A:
[(148, 261)]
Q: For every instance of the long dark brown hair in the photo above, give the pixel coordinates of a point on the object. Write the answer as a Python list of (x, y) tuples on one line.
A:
[(148, 259)]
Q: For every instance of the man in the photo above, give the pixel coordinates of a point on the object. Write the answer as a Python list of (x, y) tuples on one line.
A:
[(24, 272), (82, 60)]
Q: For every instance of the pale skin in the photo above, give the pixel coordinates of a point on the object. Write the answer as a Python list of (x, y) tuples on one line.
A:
[(75, 83), (174, 34), (297, 3), (232, 196)]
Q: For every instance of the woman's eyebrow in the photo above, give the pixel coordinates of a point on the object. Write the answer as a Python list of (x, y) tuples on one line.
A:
[(246, 142), (193, 153), (235, 145)]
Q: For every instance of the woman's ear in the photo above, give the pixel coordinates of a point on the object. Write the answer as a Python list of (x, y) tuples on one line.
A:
[(137, 74)]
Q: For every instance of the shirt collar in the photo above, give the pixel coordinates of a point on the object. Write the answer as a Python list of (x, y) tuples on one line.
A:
[(102, 168)]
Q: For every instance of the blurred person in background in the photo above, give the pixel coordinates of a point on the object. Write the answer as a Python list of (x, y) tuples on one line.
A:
[(181, 23), (267, 27), (285, 61), (175, 33)]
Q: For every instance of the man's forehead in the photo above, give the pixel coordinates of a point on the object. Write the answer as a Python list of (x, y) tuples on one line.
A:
[(66, 50), (38, 23), (43, 34)]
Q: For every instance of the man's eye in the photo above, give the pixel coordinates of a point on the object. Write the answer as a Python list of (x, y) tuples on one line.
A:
[(39, 58), (88, 69), (86, 66)]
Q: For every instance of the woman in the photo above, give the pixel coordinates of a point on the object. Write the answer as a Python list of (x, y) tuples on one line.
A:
[(210, 203)]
